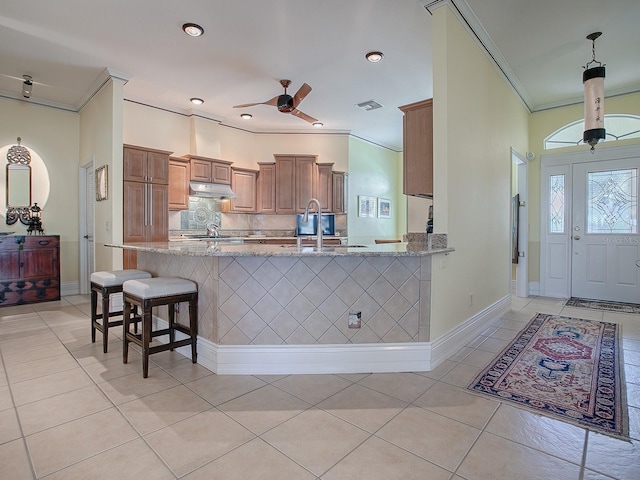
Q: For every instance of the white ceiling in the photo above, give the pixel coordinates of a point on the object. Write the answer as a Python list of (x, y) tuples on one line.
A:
[(68, 46)]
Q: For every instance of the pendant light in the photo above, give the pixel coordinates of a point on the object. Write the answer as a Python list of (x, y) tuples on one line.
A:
[(593, 80)]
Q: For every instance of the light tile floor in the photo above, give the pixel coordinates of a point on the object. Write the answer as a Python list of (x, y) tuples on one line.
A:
[(68, 411)]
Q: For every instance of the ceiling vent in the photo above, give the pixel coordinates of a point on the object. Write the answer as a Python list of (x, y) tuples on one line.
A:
[(369, 105)]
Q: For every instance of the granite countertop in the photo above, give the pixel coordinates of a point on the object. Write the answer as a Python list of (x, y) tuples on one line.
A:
[(202, 248)]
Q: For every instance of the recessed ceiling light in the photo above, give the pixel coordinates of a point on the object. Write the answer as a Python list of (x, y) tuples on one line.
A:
[(246, 116), (374, 57), (192, 29), (318, 124), (196, 101)]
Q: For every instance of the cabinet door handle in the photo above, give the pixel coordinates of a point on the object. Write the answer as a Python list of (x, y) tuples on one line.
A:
[(151, 204), (44, 242), (144, 207)]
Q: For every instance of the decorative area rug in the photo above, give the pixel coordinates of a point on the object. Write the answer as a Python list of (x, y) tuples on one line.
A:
[(602, 305), (565, 368)]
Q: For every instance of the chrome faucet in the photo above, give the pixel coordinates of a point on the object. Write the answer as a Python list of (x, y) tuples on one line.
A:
[(305, 218), (212, 230)]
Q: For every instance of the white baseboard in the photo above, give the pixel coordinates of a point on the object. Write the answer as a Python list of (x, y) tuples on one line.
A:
[(347, 358), (534, 289), (69, 288)]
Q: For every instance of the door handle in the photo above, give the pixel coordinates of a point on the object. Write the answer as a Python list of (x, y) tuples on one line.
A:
[(577, 237)]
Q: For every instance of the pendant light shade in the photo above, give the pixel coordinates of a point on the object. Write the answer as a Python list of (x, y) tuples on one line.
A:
[(593, 80)]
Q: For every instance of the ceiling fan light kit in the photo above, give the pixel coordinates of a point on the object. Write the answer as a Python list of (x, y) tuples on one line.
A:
[(593, 80), (192, 29)]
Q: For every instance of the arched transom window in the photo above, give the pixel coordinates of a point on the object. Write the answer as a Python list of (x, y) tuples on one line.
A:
[(618, 127)]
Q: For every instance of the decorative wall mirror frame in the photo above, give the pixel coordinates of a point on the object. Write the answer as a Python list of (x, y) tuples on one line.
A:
[(18, 184)]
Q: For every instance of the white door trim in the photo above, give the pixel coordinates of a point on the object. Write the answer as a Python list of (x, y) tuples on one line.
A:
[(559, 284), (522, 267), (82, 221)]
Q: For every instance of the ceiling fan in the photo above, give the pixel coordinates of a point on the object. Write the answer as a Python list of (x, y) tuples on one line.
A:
[(286, 103)]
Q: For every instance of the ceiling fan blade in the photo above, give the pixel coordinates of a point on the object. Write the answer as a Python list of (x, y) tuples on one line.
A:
[(303, 115), (302, 92), (273, 102)]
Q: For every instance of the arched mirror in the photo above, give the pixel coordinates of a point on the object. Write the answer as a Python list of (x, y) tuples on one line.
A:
[(18, 184)]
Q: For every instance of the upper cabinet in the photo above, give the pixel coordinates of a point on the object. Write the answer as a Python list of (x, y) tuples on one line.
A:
[(209, 170), (243, 183), (325, 186), (179, 176), (296, 182), (266, 188), (339, 192), (418, 149), (145, 165)]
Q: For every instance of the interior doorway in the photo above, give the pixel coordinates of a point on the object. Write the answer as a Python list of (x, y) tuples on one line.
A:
[(87, 204)]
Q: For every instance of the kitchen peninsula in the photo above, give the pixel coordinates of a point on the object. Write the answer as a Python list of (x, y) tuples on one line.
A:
[(276, 309)]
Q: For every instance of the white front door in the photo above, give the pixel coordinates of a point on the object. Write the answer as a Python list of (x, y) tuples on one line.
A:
[(605, 242)]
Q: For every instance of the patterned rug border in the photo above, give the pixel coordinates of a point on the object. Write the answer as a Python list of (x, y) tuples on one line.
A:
[(623, 434), (619, 307)]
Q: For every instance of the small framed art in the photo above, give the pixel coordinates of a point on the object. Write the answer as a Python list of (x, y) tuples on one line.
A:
[(384, 208)]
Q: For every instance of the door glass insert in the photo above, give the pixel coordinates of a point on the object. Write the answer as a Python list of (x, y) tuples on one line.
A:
[(612, 201), (556, 204)]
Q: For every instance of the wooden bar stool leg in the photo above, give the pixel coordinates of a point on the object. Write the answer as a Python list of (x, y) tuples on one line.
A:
[(193, 325), (105, 321), (146, 339), (94, 314), (126, 314), (172, 320)]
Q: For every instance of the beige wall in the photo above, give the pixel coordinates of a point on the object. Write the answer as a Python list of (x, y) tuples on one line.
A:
[(477, 119), (101, 142), (53, 134)]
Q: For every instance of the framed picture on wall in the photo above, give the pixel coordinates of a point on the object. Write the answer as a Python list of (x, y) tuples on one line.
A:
[(384, 208), (366, 206), (101, 183)]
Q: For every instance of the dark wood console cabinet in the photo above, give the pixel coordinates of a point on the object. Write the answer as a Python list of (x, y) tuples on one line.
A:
[(29, 269)]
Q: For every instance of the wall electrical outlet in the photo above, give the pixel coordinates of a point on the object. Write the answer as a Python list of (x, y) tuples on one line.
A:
[(355, 319)]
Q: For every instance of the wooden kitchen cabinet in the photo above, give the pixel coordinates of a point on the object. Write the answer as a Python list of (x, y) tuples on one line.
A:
[(146, 203), (418, 149), (179, 176), (145, 165), (339, 192), (243, 184), (29, 269), (325, 186), (296, 182), (209, 170), (266, 188)]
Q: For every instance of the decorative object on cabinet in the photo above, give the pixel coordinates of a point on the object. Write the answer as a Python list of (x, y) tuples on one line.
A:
[(417, 151), (366, 206), (102, 190), (18, 184), (384, 208), (35, 222), (146, 198), (29, 269)]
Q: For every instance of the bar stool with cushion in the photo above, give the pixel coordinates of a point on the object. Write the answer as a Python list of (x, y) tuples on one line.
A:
[(153, 292), (107, 283)]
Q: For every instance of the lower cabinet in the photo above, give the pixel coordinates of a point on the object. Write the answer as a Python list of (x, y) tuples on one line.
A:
[(29, 269)]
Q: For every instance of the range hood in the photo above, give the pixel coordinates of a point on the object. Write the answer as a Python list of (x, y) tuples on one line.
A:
[(210, 190)]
